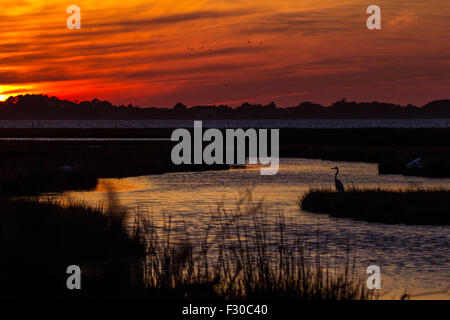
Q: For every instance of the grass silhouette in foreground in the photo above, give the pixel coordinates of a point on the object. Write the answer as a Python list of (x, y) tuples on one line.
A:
[(419, 206), (40, 238)]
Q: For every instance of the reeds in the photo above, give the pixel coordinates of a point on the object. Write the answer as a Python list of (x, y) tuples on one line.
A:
[(39, 239), (235, 258), (35, 167), (421, 206)]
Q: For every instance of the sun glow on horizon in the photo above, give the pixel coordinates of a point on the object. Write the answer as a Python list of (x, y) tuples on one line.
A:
[(204, 52), (3, 97), (7, 91)]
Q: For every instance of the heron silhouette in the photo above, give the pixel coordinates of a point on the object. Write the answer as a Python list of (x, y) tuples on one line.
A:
[(337, 182)]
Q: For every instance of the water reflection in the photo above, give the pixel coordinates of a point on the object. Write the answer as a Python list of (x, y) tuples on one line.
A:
[(412, 257)]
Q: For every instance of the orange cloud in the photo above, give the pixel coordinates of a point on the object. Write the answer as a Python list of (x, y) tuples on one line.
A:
[(403, 19), (165, 51)]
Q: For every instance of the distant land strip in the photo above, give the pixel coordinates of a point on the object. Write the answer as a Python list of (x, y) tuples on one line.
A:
[(44, 107)]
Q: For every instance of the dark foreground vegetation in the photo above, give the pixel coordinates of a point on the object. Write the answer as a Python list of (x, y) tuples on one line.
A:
[(415, 206), (123, 259), (40, 239)]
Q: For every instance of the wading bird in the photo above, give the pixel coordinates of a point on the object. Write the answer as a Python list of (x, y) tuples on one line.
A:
[(337, 182)]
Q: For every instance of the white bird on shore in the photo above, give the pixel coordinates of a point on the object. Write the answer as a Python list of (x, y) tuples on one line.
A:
[(67, 168), (416, 163)]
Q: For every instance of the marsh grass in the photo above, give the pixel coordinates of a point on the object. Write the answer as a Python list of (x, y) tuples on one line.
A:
[(234, 259), (34, 167), (36, 177), (421, 206), (39, 239)]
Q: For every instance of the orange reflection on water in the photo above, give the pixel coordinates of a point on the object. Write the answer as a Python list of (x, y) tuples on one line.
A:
[(118, 185), (190, 199)]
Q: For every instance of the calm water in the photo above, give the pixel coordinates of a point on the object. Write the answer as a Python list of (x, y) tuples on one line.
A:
[(284, 123), (412, 257)]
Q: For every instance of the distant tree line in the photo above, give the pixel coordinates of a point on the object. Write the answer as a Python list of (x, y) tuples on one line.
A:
[(32, 106)]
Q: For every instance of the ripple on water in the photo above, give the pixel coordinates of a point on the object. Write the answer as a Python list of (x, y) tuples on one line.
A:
[(416, 258)]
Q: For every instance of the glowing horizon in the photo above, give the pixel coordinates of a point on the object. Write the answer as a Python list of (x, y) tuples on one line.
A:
[(157, 53)]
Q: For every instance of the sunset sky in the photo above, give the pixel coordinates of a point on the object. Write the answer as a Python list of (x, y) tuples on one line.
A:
[(258, 51)]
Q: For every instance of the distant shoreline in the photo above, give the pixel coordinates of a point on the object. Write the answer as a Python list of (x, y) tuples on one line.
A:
[(39, 106), (391, 148), (225, 123)]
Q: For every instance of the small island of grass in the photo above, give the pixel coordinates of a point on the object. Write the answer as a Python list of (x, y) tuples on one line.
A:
[(411, 206)]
